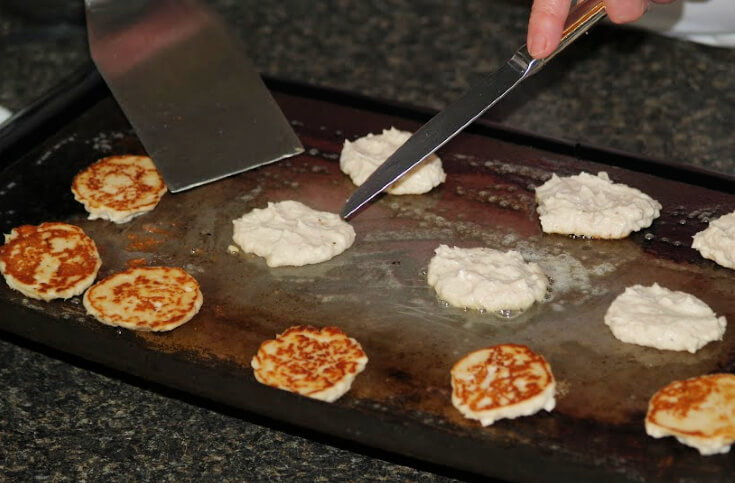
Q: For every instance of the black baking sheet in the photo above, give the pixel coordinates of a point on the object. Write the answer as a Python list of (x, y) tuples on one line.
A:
[(377, 292)]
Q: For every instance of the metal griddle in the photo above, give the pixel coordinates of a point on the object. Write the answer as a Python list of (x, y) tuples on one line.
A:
[(377, 290)]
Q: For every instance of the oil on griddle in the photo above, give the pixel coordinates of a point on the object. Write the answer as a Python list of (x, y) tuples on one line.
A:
[(377, 290)]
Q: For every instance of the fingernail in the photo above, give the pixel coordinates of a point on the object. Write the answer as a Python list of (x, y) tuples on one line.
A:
[(537, 45)]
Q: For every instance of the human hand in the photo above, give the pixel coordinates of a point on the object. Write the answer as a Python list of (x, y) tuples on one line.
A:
[(546, 23)]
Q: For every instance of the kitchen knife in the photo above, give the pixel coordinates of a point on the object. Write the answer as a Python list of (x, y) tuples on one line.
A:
[(458, 115), (188, 89)]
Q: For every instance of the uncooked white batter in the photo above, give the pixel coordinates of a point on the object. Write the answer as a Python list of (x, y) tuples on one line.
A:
[(486, 279), (289, 233), (717, 241), (361, 157), (664, 319), (593, 206)]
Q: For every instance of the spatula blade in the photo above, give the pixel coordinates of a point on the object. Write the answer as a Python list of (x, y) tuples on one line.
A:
[(188, 89)]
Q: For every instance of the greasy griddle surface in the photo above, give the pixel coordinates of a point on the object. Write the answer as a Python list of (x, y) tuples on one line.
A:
[(377, 291)]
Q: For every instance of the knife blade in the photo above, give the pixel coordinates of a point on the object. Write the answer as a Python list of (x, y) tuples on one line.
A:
[(462, 112)]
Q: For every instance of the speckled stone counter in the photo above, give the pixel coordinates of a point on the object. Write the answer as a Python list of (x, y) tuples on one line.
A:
[(619, 88)]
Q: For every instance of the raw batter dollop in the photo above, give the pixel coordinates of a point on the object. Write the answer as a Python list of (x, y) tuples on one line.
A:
[(361, 157), (593, 206), (485, 279), (289, 233), (717, 241), (664, 319)]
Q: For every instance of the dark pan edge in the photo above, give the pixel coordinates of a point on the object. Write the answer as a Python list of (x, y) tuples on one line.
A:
[(385, 432), (234, 412), (635, 162), (64, 102), (85, 86)]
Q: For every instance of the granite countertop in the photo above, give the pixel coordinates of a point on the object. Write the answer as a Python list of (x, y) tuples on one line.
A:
[(619, 88)]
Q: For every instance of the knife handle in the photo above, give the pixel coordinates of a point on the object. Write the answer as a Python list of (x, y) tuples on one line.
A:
[(582, 17)]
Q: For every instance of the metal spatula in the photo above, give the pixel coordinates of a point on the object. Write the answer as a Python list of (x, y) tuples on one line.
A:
[(188, 88)]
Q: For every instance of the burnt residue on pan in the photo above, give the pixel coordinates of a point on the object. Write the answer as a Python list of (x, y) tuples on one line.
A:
[(377, 291)]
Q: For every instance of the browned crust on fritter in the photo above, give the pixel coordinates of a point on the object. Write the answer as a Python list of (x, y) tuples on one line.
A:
[(22, 255), (89, 184), (682, 398), (141, 300), (501, 391), (307, 360)]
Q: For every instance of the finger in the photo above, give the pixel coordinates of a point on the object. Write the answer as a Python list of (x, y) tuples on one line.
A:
[(545, 26), (623, 11)]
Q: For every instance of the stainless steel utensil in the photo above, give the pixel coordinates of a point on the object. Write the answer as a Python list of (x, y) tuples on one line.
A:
[(458, 115), (188, 88)]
